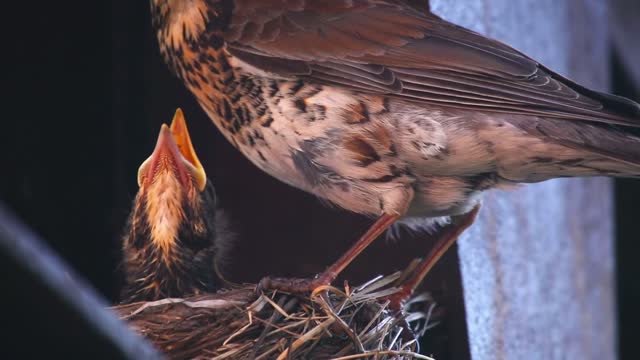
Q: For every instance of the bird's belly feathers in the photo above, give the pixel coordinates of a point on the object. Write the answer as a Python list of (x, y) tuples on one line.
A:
[(350, 149), (367, 153)]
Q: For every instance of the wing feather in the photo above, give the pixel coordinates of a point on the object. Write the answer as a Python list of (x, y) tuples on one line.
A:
[(389, 47)]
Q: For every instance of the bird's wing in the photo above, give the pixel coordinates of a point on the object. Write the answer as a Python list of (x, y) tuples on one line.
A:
[(389, 47)]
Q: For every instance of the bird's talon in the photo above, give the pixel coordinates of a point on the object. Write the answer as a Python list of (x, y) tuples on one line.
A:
[(396, 302)]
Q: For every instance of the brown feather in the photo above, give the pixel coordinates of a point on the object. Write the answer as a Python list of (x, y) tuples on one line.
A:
[(386, 47)]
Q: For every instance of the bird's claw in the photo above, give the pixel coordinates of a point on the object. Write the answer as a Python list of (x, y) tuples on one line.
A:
[(396, 302)]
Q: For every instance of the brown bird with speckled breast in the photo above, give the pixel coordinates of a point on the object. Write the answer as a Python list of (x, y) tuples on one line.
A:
[(387, 110), (176, 237)]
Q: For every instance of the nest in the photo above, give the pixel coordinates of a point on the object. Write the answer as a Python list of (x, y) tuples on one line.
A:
[(331, 323)]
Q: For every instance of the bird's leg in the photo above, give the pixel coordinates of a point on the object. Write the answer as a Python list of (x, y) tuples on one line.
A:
[(446, 237), (330, 274)]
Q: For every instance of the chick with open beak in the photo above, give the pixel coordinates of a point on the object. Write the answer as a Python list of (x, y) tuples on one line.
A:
[(175, 235)]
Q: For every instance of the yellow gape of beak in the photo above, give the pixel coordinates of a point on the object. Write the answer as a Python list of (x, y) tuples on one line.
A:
[(183, 140)]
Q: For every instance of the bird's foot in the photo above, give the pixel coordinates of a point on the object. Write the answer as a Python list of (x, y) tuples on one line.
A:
[(294, 285), (396, 305), (397, 300)]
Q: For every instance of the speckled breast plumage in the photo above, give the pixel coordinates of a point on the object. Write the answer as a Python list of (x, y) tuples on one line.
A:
[(394, 146)]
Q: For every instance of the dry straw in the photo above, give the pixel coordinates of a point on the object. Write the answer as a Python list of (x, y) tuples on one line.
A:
[(331, 323)]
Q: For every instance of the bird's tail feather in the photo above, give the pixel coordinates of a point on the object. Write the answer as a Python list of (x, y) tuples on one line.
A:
[(608, 150)]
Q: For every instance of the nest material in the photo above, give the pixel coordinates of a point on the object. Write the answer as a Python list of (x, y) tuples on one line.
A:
[(237, 324)]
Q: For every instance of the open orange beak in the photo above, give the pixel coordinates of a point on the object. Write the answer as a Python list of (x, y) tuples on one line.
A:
[(174, 153), (183, 140)]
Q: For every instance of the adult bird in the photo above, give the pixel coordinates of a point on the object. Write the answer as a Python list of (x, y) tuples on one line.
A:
[(175, 237), (387, 110)]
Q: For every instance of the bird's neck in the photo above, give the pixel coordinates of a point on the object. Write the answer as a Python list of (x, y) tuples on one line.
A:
[(187, 20), (185, 27), (163, 257), (196, 54), (150, 275)]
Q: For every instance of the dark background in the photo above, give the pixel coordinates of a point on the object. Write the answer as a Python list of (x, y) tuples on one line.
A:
[(85, 93)]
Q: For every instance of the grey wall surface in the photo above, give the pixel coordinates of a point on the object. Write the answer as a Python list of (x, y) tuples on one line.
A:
[(538, 267), (625, 27)]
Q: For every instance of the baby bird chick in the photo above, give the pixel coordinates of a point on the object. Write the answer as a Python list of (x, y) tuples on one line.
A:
[(175, 235)]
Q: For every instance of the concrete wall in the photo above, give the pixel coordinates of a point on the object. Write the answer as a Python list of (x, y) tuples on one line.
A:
[(625, 28), (538, 268)]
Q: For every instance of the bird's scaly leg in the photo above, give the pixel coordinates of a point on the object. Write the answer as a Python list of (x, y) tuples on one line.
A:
[(446, 238), (330, 274)]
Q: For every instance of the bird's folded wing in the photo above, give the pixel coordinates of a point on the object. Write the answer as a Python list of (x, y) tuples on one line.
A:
[(388, 47)]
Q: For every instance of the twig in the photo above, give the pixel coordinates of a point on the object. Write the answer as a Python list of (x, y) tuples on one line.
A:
[(306, 337)]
